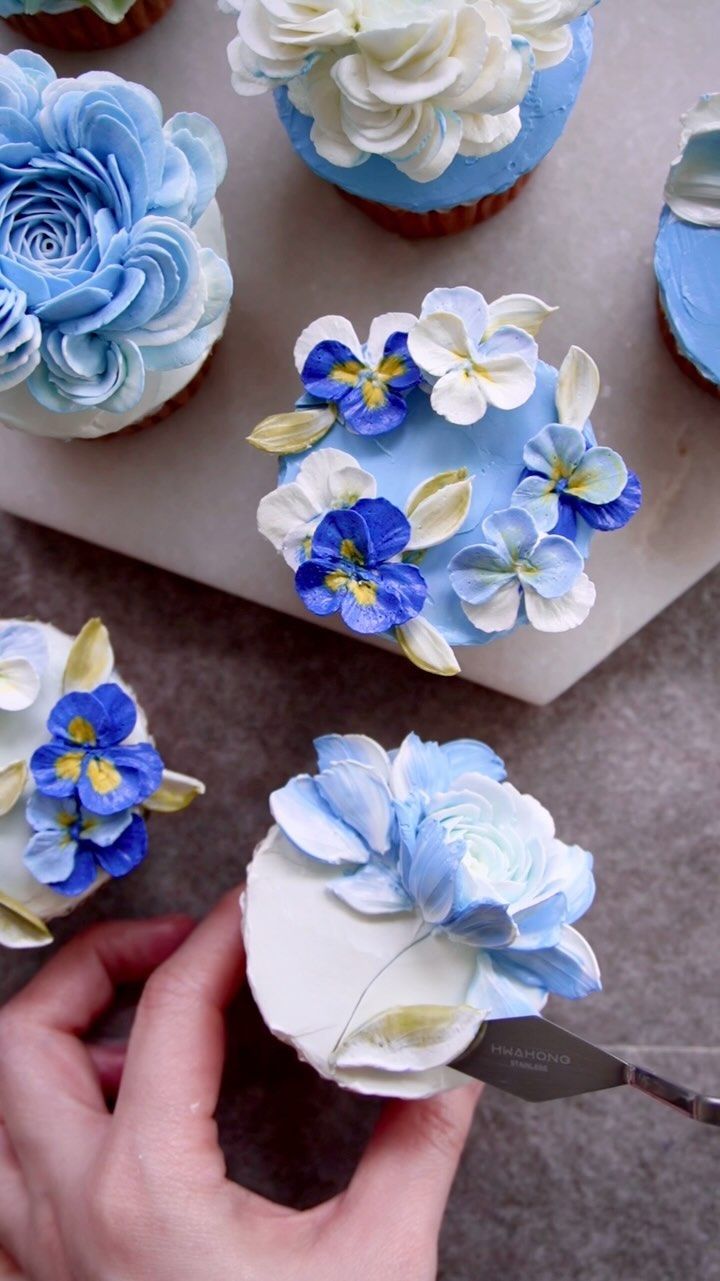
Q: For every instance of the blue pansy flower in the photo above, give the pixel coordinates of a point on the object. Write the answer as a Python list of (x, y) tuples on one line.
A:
[(89, 755), (516, 566), (436, 832), (352, 568), (566, 477), (71, 846), (368, 383)]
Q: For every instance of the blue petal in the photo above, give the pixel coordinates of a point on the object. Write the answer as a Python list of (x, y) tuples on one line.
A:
[(428, 871), (366, 417), (388, 528), (373, 891), (537, 495), (410, 376), (600, 478), (128, 851), (50, 857), (513, 532), (331, 371), (567, 525), (333, 748), (483, 925), (615, 515), (311, 587), (120, 710), (309, 823), (540, 925), (371, 606), (555, 452), (337, 533), (409, 588), (478, 572), (419, 767), (470, 756), (79, 720), (569, 969), (360, 798), (50, 813), (119, 778), (83, 875), (501, 994), (554, 568), (56, 768), (577, 881), (104, 831)]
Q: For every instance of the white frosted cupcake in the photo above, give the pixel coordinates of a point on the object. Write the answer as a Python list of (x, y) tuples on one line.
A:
[(78, 771)]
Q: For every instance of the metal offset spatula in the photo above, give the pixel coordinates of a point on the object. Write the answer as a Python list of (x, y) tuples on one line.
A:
[(537, 1061)]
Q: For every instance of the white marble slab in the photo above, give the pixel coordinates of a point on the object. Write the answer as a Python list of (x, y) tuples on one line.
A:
[(183, 496)]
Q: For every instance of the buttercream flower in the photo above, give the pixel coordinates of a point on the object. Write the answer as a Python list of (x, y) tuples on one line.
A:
[(71, 846), (352, 569), (23, 659), (88, 754), (545, 24), (327, 481), (97, 202), (693, 187), (477, 355), (517, 565), (417, 878), (276, 38), (20, 337), (368, 383)]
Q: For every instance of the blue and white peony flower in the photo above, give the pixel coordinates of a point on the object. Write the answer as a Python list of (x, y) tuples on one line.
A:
[(72, 847), (518, 566), (23, 660), (432, 882), (98, 201)]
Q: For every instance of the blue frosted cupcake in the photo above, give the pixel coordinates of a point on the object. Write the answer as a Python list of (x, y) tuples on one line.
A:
[(82, 24), (430, 116), (687, 251), (440, 485)]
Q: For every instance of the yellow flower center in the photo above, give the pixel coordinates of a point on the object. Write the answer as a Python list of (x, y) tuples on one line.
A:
[(103, 776), (80, 730)]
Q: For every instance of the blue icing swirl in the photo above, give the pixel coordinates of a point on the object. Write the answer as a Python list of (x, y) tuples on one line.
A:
[(545, 112), (687, 266), (426, 444)]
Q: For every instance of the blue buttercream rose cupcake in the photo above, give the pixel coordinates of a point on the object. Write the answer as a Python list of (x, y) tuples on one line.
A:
[(439, 484), (79, 773), (687, 251), (82, 24), (429, 114), (114, 281), (404, 899)]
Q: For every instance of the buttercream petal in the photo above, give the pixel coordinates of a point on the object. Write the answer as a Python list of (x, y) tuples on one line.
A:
[(553, 568), (283, 511), (333, 748), (439, 343), (578, 388), (536, 495), (469, 756), (523, 311), (600, 477), (19, 684), (372, 891), (426, 647), (418, 767), (468, 304), (563, 613), (411, 1038), (358, 796), (497, 614), (569, 969), (461, 397), (555, 452), (383, 328), (326, 329), (502, 993), (309, 823)]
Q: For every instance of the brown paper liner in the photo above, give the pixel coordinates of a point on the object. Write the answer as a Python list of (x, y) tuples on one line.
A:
[(82, 29), (183, 397), (437, 222), (686, 365)]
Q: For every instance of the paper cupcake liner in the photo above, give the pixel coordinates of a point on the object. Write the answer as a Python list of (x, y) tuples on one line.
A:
[(81, 29), (183, 397), (686, 365), (437, 222)]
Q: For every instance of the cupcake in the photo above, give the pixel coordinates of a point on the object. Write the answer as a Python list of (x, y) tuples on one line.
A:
[(78, 773), (430, 115), (404, 899), (687, 251), (114, 282), (82, 24), (439, 484)]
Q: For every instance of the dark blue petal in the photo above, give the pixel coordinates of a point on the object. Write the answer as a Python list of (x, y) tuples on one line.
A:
[(342, 536), (388, 528), (83, 874), (127, 853), (119, 778), (79, 719), (609, 516), (482, 925), (331, 370), (311, 587), (120, 710), (410, 591), (366, 417), (567, 522), (428, 870), (56, 768), (407, 377), (368, 606)]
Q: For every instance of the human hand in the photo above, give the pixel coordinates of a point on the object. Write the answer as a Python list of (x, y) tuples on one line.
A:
[(141, 1194)]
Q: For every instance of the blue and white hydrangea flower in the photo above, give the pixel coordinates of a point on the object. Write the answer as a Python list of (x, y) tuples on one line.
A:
[(72, 847), (477, 355), (23, 660), (105, 277), (517, 567), (418, 878), (693, 186)]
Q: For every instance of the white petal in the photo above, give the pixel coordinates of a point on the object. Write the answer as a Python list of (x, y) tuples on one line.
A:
[(361, 798), (411, 1038), (578, 388), (426, 648), (508, 381), (91, 660), (703, 118), (498, 614), (19, 684), (564, 612), (521, 310), (382, 328), (331, 478), (438, 508), (459, 396), (293, 433), (283, 511), (438, 343), (12, 785), (373, 891), (20, 928), (175, 793), (326, 329)]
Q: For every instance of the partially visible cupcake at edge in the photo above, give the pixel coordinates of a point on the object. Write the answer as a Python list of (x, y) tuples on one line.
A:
[(429, 114), (79, 774), (439, 484), (687, 251), (82, 24), (114, 280)]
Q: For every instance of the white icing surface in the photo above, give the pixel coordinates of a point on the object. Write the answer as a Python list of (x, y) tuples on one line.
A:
[(20, 410), (20, 734)]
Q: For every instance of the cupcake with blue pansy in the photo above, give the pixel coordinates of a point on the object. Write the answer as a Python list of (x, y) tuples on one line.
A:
[(401, 901), (428, 114), (687, 251), (82, 24), (79, 774), (440, 485), (114, 281)]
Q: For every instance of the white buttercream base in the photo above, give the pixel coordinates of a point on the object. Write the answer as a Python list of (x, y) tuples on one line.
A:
[(20, 411)]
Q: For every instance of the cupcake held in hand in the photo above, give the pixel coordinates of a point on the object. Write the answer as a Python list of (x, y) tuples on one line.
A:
[(439, 484), (114, 282), (429, 115), (82, 24), (687, 252), (78, 773), (401, 901)]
